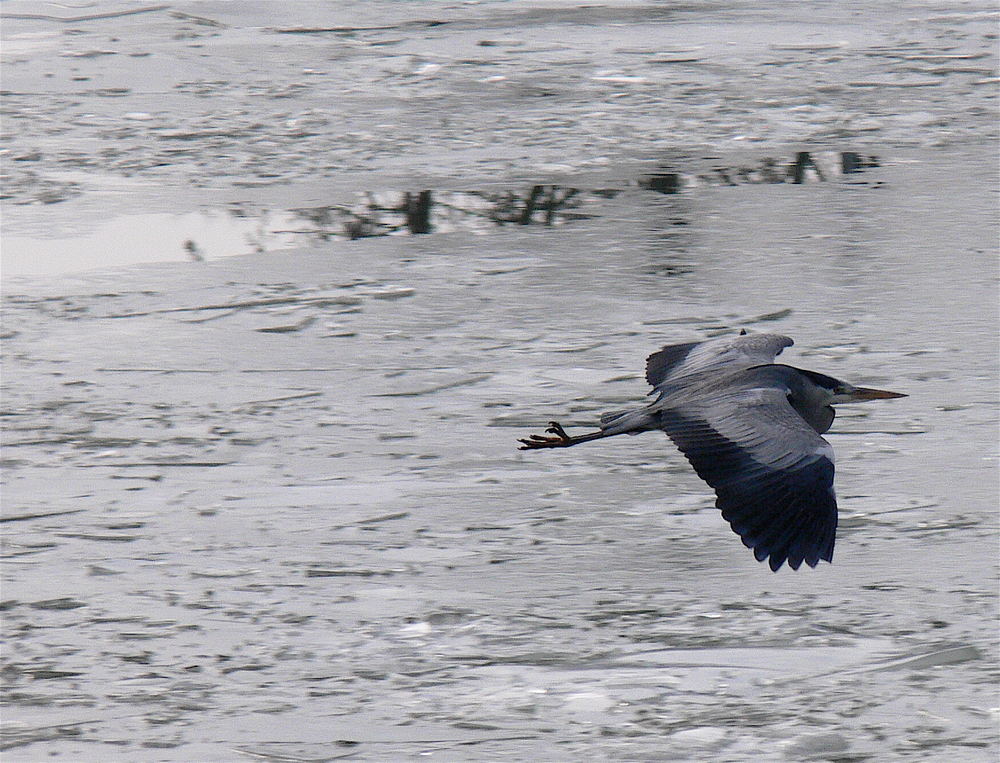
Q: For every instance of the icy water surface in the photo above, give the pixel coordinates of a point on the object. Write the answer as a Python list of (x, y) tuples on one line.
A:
[(271, 506), (252, 513)]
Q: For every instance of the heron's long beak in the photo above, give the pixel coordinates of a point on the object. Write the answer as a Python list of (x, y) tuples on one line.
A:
[(866, 393)]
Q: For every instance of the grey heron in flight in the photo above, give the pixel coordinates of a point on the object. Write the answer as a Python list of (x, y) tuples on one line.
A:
[(751, 429)]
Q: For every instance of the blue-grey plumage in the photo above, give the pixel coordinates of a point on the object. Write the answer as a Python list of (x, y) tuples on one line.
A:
[(751, 429)]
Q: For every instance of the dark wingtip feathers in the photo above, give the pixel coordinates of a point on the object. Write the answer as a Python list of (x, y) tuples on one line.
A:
[(776, 558)]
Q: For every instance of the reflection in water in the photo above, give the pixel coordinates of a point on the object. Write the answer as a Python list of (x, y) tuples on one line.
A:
[(388, 213), (666, 241), (206, 235), (666, 238), (393, 212), (806, 167)]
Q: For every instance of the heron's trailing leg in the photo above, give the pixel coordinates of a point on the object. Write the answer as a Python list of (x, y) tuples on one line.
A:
[(559, 438)]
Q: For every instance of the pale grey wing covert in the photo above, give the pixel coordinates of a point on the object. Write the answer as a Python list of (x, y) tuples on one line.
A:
[(772, 473), (676, 364)]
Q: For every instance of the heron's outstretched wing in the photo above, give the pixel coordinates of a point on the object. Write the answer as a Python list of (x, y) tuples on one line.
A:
[(772, 473), (669, 368)]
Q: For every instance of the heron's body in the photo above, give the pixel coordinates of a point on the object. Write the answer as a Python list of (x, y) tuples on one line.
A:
[(751, 429)]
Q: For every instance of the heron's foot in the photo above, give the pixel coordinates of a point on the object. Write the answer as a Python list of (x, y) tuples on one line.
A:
[(560, 439)]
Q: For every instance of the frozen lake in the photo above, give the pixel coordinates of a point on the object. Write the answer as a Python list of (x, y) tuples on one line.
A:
[(270, 506)]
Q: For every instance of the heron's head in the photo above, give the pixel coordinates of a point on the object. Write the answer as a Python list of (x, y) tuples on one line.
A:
[(842, 392), (836, 391)]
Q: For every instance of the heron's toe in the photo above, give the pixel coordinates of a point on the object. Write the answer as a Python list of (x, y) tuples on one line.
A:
[(556, 428), (540, 441)]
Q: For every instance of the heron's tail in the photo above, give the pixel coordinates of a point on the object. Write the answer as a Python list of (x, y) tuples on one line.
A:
[(628, 421)]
